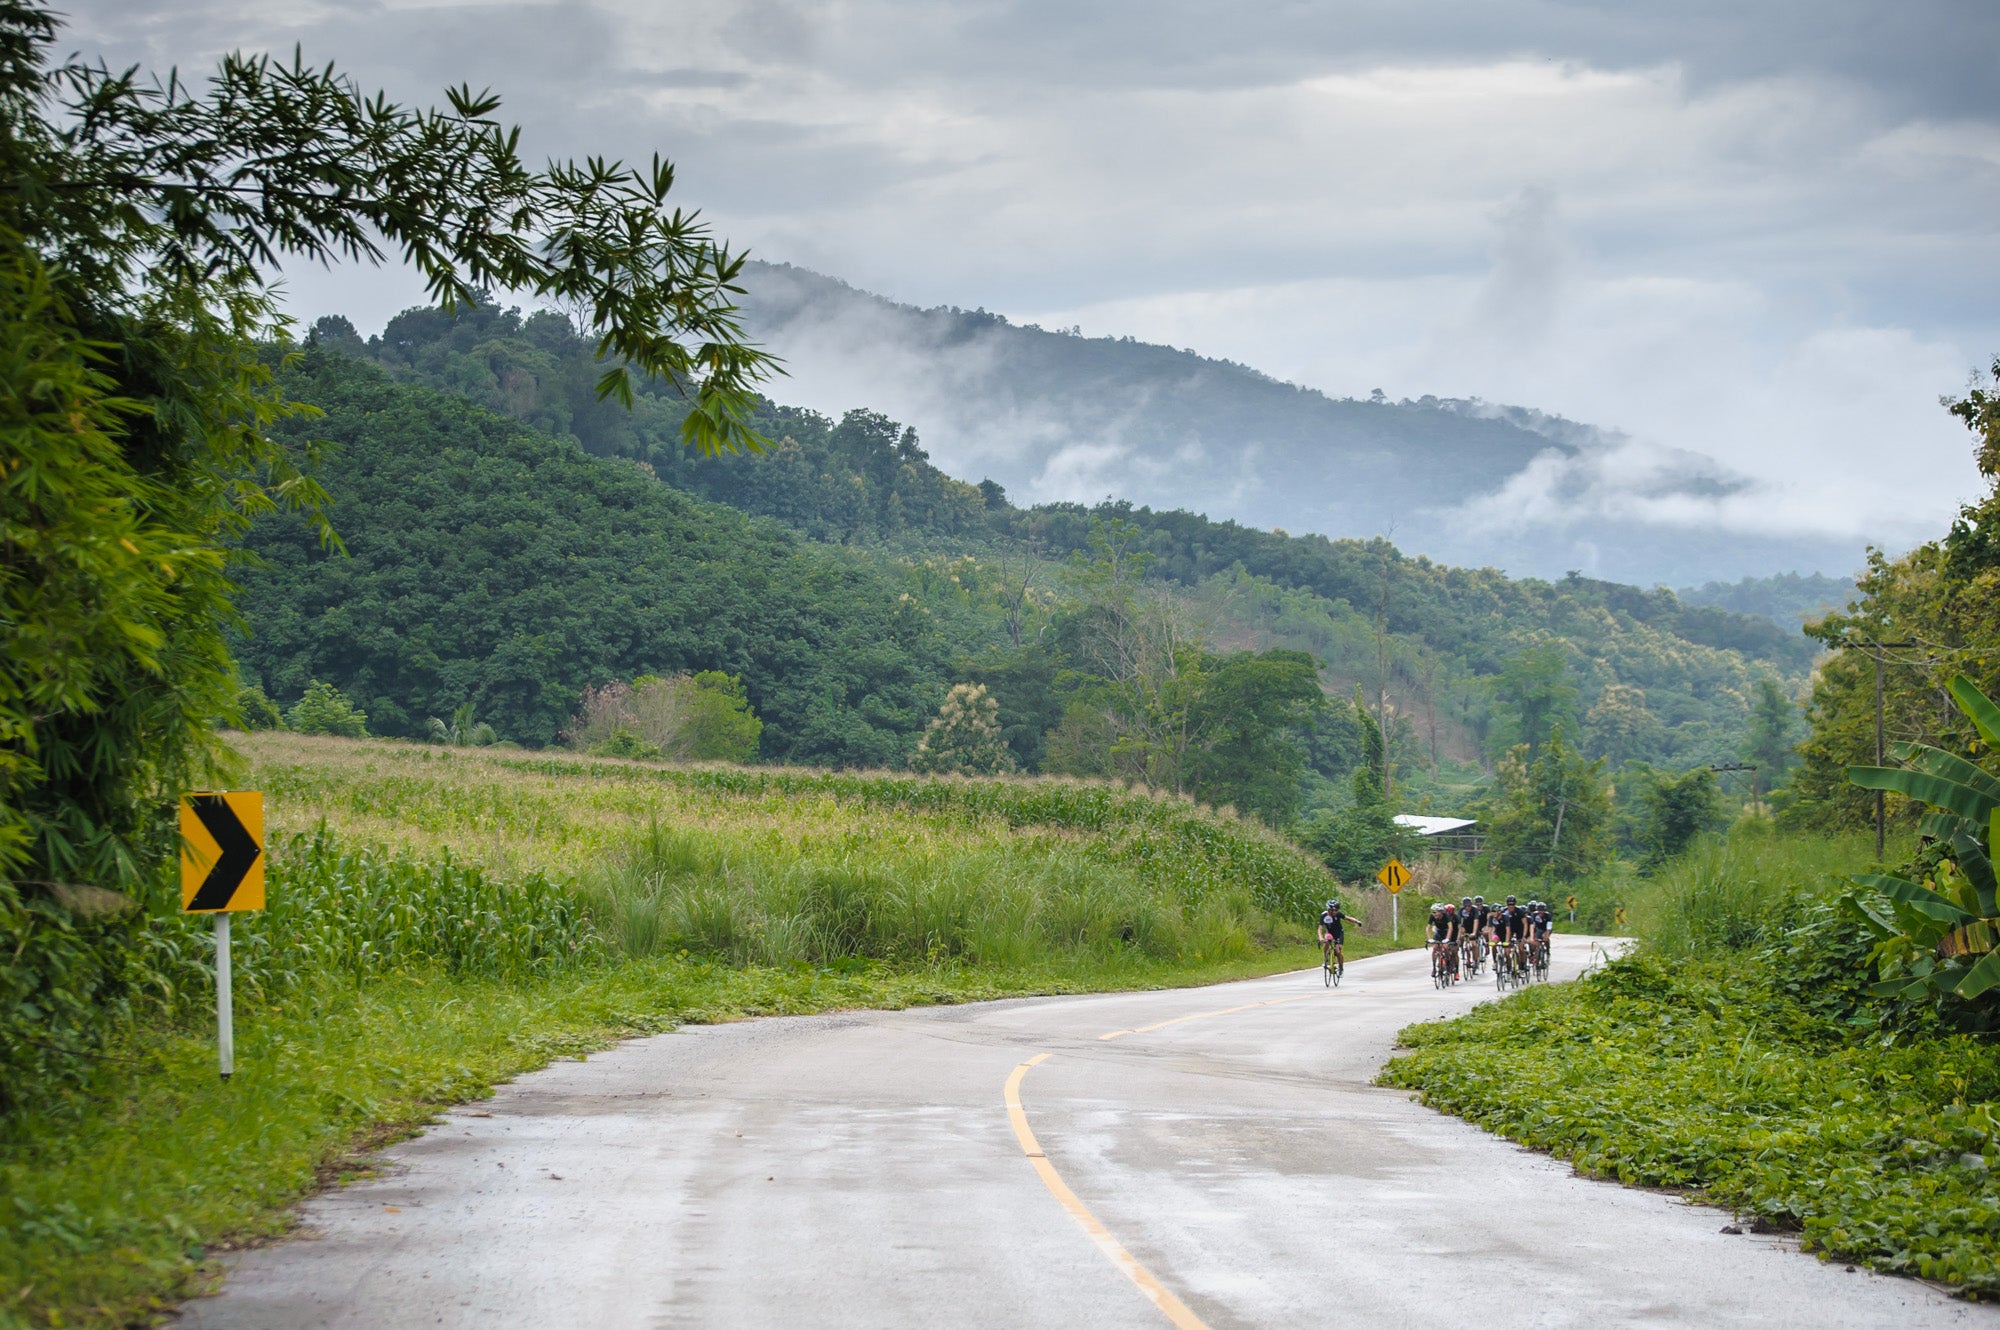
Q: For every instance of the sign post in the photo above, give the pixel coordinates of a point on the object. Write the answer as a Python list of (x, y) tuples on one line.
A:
[(1571, 901), (222, 871), (1395, 877)]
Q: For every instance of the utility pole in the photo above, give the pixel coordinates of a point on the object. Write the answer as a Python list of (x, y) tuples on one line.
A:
[(1878, 648)]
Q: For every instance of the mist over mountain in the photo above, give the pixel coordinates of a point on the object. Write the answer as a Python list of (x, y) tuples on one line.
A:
[(1054, 415)]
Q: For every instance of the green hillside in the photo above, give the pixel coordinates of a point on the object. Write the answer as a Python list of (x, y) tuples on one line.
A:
[(865, 483)]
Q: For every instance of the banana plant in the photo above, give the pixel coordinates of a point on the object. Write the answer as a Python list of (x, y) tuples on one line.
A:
[(1940, 935)]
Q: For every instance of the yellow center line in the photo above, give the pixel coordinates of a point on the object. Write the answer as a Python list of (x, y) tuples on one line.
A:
[(1174, 1309)]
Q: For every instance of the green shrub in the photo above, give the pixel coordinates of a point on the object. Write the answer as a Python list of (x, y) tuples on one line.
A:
[(326, 710)]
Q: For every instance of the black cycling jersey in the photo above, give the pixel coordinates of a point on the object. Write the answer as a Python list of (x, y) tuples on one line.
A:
[(1334, 922), (1468, 920), (1441, 927), (1511, 922)]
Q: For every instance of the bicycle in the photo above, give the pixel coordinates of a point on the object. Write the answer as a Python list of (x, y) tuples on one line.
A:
[(1331, 965), (1441, 968)]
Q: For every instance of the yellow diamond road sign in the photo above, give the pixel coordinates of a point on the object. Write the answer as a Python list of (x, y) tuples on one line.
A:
[(222, 851), (1394, 875)]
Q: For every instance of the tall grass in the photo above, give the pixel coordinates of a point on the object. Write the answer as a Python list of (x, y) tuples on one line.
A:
[(1740, 892), (578, 817), (701, 892), (345, 914)]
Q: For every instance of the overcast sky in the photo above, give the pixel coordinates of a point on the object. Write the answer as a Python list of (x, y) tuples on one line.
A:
[(1759, 231)]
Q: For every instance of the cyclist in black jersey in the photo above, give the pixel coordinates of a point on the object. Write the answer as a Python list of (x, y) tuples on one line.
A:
[(1332, 932), (1468, 931), (1444, 933)]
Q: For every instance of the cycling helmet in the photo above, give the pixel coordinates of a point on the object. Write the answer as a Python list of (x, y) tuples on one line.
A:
[(1465, 900), (1510, 900), (1333, 905), (1479, 900)]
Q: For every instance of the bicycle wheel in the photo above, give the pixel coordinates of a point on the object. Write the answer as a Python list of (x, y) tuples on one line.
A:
[(1326, 972), (1339, 968)]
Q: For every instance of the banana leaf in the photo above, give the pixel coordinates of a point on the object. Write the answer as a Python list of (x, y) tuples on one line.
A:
[(1861, 912), (1967, 848), (1925, 788), (1982, 976), (1978, 708), (1951, 767), (1918, 897), (1940, 825)]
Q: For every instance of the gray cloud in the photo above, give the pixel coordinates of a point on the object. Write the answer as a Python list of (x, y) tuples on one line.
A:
[(1762, 233)]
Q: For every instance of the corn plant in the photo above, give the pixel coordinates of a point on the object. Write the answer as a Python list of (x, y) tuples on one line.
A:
[(1941, 935)]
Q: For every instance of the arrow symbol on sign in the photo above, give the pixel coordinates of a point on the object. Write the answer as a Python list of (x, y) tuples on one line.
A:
[(239, 851)]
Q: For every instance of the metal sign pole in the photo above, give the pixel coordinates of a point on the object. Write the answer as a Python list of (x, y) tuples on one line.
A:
[(225, 1029), (1395, 916)]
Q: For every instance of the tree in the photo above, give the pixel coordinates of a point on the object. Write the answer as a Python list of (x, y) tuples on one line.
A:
[(1773, 719), (1553, 814), (326, 710), (1678, 809), (463, 730), (1534, 696), (1246, 719), (702, 717), (965, 738), (140, 228)]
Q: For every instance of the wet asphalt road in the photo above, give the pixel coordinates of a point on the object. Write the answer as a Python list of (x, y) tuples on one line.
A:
[(865, 1170)]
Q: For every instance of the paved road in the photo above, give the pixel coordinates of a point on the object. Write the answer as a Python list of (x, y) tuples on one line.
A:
[(1202, 1157)]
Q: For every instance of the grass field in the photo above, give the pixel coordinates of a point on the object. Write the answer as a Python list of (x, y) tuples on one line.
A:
[(442, 920)]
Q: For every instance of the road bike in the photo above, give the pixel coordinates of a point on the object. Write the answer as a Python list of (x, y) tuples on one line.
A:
[(1506, 967), (1541, 959), (1331, 964), (1442, 974)]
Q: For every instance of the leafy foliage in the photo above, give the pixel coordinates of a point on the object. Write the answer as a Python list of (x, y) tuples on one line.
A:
[(326, 710), (490, 564), (700, 718), (1551, 815), (1940, 936), (140, 224), (965, 739)]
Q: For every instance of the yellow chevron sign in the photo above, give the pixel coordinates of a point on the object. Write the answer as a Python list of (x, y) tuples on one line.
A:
[(222, 851), (1394, 876)]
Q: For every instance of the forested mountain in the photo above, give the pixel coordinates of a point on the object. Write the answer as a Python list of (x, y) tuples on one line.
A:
[(491, 563), (1788, 599), (1638, 675)]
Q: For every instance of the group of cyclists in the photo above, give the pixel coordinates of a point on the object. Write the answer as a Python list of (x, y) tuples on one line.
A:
[(1513, 937)]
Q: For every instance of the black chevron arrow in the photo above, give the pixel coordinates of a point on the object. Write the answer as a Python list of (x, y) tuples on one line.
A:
[(239, 852)]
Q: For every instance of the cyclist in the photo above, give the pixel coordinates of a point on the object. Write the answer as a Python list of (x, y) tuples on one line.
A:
[(1332, 934), (1468, 933), (1444, 939), (1511, 931), (1541, 922)]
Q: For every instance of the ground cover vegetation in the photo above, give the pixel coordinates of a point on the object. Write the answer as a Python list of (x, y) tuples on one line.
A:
[(1803, 1036), (428, 935)]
